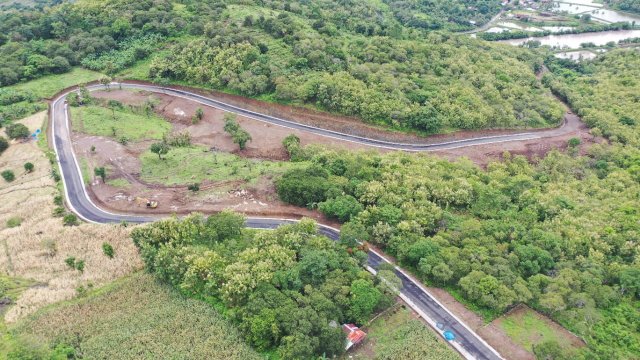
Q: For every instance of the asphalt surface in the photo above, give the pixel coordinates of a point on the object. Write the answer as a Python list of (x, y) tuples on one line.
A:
[(466, 341)]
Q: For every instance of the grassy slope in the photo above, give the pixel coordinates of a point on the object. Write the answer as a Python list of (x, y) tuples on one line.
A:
[(47, 86), (402, 336), (528, 329), (138, 318), (96, 120), (195, 164)]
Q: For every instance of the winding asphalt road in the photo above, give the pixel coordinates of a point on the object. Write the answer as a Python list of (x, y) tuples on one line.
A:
[(467, 342)]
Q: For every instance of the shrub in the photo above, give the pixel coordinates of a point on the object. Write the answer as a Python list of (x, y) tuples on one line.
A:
[(57, 200), (302, 187), (343, 207), (55, 175), (4, 144), (107, 249), (101, 172), (80, 265), (160, 148), (14, 222), (198, 116), (58, 211), (71, 262), (70, 220), (238, 134), (8, 175), (573, 142), (194, 187), (17, 131), (28, 167)]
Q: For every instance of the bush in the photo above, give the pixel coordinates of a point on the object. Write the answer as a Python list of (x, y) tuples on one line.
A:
[(107, 249), (58, 211), (28, 167), (4, 144), (17, 131), (70, 220), (57, 200), (343, 207), (71, 262), (101, 172), (8, 175), (573, 142), (14, 222), (194, 187), (80, 265)]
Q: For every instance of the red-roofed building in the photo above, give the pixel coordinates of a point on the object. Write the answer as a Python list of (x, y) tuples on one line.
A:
[(354, 335)]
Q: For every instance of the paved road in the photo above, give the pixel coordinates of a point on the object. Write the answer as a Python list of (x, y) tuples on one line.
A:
[(467, 342)]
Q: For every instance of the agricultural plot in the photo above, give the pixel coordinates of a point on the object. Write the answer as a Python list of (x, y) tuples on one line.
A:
[(136, 318)]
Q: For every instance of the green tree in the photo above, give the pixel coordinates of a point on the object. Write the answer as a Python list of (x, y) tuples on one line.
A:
[(364, 300), (17, 131), (4, 144), (101, 172), (8, 175), (630, 280), (343, 208), (160, 148)]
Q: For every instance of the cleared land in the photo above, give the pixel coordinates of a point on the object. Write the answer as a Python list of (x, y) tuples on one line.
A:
[(118, 123), (137, 318), (400, 334), (38, 247), (196, 164), (529, 328)]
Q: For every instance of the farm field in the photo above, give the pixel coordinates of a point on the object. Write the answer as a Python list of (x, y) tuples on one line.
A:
[(135, 317), (37, 248)]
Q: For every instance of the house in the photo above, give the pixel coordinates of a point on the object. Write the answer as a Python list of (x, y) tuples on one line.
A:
[(354, 335)]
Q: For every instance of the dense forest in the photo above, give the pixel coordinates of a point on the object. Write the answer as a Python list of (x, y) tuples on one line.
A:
[(589, 87), (353, 58), (560, 235), (289, 289)]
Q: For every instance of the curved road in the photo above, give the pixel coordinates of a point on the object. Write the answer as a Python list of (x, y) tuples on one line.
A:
[(466, 342)]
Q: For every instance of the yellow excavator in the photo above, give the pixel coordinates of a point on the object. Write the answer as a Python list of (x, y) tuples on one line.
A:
[(150, 204)]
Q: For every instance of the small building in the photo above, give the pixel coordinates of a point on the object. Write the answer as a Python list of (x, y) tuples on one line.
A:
[(354, 335)]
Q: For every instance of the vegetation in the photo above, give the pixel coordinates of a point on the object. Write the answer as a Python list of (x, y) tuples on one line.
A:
[(4, 144), (8, 175), (118, 122), (101, 172), (70, 220), (590, 86), (160, 148), (515, 233), (187, 165), (399, 335), (288, 289), (28, 167), (239, 135), (17, 131), (107, 323), (625, 5), (13, 222)]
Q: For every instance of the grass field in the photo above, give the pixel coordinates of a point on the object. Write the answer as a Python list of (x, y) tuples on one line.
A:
[(195, 164), (527, 328), (97, 120), (119, 183), (400, 335), (47, 86), (137, 318)]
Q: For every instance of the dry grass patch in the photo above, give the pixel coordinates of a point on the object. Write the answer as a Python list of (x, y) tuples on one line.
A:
[(37, 249)]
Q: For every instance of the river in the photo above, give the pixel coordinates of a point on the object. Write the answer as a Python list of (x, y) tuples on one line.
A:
[(573, 41)]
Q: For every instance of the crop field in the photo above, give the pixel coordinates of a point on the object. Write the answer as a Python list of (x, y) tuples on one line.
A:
[(137, 318), (195, 164), (36, 249), (118, 123), (401, 335)]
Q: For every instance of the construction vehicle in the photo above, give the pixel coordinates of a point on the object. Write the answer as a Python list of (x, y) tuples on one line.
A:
[(150, 204)]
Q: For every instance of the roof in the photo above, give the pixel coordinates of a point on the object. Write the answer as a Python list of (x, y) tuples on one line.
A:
[(354, 335)]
